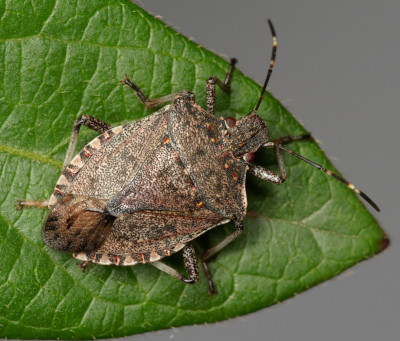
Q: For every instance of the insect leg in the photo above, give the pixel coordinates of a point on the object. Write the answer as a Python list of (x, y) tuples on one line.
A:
[(290, 138), (148, 102), (32, 203), (84, 265), (190, 260), (268, 175), (225, 86), (214, 250), (90, 122)]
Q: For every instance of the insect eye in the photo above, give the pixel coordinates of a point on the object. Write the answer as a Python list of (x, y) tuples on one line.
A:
[(230, 122), (249, 157)]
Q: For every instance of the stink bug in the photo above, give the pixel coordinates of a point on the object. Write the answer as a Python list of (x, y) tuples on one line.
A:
[(143, 191)]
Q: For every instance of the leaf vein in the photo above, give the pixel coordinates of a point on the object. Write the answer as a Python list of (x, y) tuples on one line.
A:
[(30, 155)]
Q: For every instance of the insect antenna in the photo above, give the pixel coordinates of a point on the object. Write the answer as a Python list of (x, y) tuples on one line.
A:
[(327, 171), (271, 65)]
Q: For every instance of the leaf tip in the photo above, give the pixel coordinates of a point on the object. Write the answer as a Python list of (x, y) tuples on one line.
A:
[(385, 242)]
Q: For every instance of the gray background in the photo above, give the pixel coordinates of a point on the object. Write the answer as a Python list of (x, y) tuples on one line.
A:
[(337, 70)]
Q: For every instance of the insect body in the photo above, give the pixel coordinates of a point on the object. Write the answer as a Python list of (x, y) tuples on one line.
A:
[(145, 190)]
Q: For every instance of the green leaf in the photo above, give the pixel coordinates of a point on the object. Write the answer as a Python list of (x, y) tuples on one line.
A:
[(61, 59)]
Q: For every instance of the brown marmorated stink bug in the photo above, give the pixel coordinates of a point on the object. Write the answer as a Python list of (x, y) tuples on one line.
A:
[(143, 191)]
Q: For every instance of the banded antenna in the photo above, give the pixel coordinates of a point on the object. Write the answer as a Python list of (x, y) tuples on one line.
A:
[(271, 66), (278, 143), (326, 171)]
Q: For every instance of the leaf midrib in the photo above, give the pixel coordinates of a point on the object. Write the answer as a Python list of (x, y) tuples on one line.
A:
[(30, 155)]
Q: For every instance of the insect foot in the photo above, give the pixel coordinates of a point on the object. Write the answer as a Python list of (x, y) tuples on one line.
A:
[(84, 265)]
